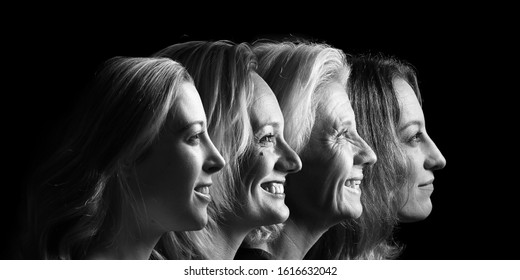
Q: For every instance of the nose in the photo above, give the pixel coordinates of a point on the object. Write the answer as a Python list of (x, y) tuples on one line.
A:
[(289, 161), (365, 156), (434, 158), (214, 161)]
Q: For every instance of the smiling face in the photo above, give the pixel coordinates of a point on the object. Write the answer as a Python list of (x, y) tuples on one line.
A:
[(174, 176), (328, 189), (422, 155), (269, 161)]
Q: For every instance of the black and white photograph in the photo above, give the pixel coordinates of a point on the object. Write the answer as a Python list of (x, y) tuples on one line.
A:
[(376, 138)]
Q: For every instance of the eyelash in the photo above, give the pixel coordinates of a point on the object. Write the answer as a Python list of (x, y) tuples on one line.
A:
[(265, 140), (416, 138), (195, 139), (343, 134)]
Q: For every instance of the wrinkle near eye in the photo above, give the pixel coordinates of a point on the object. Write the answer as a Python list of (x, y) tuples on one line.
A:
[(326, 136), (344, 135)]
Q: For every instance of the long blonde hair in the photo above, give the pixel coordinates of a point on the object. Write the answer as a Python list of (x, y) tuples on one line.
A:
[(77, 197)]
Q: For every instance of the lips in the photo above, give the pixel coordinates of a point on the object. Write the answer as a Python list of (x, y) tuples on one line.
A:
[(426, 184), (352, 185), (204, 189), (202, 192), (273, 187)]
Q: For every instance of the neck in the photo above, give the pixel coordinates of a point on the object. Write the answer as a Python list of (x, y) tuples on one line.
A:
[(131, 242), (296, 239), (226, 242)]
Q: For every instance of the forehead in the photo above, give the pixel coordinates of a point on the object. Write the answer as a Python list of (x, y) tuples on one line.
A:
[(409, 104), (188, 106), (264, 108), (334, 104)]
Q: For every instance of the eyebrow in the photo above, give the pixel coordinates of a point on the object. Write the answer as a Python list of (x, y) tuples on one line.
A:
[(185, 126), (346, 122), (343, 124), (410, 123)]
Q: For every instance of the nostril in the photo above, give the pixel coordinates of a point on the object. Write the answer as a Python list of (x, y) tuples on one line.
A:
[(287, 165), (293, 163), (439, 163), (297, 165), (366, 158), (372, 158), (214, 165), (292, 168), (435, 160), (213, 169)]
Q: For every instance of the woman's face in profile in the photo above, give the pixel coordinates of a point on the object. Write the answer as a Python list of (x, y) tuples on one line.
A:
[(422, 155), (269, 161), (329, 188), (174, 176)]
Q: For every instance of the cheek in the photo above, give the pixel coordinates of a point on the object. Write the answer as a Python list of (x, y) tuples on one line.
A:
[(259, 166), (407, 195), (337, 162), (415, 162), (179, 171), (323, 172), (186, 166)]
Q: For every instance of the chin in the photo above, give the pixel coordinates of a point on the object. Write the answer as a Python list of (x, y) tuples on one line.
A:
[(416, 213), (353, 210), (199, 222), (354, 213), (283, 215), (345, 213), (277, 216)]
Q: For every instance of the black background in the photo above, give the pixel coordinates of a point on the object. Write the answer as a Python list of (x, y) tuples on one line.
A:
[(461, 56)]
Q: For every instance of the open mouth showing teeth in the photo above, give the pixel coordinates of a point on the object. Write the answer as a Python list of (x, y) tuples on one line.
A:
[(202, 189), (353, 185), (272, 187)]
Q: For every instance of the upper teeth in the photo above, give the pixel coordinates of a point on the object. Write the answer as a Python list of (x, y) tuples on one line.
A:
[(354, 184), (273, 187), (202, 189)]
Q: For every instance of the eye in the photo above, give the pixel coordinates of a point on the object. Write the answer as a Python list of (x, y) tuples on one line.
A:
[(267, 140), (343, 135), (416, 138), (195, 139)]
